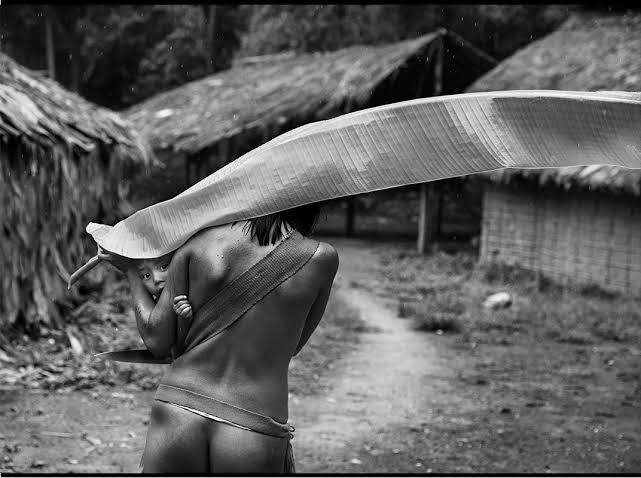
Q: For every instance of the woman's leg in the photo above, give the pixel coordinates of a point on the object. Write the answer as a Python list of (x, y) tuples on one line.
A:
[(234, 450), (177, 441)]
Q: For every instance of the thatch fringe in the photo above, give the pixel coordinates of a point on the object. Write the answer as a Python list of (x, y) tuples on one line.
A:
[(589, 52), (63, 162)]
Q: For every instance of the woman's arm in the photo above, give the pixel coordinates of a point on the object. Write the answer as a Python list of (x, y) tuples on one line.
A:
[(328, 262)]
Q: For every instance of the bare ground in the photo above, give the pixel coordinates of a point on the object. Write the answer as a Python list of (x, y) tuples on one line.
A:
[(407, 401), (399, 401)]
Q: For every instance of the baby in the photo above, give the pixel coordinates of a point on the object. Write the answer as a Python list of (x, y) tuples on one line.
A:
[(147, 280), (153, 273)]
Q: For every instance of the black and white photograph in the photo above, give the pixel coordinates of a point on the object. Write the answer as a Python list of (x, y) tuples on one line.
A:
[(320, 239)]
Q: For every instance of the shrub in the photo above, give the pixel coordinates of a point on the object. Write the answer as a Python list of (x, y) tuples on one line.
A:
[(405, 309), (435, 321), (442, 310)]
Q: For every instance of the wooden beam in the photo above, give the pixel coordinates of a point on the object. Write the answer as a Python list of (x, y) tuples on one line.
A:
[(470, 46)]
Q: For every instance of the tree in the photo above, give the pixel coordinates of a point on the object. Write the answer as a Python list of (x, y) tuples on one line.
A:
[(497, 29), (275, 28), (116, 55)]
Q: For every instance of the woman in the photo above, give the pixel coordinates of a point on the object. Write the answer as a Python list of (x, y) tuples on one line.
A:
[(258, 290)]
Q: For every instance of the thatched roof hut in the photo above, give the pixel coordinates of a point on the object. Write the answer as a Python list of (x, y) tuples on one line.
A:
[(589, 52), (579, 224), (261, 97), (63, 162)]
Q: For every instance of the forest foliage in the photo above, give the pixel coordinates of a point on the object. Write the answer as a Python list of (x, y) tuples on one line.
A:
[(117, 55)]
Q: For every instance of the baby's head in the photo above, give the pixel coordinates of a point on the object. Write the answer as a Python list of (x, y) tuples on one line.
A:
[(153, 273)]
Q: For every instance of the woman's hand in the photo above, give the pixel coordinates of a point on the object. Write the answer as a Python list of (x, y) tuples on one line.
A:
[(119, 262), (182, 307)]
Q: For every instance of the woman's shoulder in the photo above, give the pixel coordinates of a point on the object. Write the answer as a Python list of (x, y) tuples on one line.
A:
[(326, 257)]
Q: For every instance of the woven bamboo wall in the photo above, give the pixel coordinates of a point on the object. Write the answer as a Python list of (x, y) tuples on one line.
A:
[(574, 237)]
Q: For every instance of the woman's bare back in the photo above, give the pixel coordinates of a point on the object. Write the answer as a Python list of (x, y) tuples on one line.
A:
[(253, 355)]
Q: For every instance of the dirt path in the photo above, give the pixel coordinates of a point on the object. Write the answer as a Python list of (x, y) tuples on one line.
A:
[(394, 380)]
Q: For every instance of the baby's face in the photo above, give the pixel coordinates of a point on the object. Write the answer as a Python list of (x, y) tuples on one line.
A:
[(153, 273)]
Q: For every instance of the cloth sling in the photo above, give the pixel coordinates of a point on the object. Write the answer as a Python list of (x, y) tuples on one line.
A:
[(188, 383), (241, 294)]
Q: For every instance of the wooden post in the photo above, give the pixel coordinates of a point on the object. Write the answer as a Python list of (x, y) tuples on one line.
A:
[(350, 215), (429, 201), (429, 216), (75, 71), (187, 158), (223, 150)]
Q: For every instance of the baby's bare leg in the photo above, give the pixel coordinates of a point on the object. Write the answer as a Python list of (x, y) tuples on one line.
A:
[(177, 441)]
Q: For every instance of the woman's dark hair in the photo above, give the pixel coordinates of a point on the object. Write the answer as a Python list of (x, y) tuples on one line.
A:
[(267, 229)]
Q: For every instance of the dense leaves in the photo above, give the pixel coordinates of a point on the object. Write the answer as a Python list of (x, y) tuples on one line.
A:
[(497, 29), (118, 55), (153, 48), (274, 28)]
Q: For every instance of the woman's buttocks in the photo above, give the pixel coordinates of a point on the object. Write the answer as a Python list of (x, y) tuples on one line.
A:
[(242, 373)]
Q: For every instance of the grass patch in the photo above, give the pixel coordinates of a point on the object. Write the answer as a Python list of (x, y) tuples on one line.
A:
[(454, 286)]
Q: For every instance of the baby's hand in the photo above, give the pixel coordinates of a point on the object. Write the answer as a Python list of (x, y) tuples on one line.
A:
[(182, 307), (183, 310)]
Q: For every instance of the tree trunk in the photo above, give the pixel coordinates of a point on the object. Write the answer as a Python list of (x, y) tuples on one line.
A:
[(211, 31), (51, 52)]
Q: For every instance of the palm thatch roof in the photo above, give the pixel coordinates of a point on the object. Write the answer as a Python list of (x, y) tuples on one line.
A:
[(40, 113), (63, 162), (268, 95), (589, 52)]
